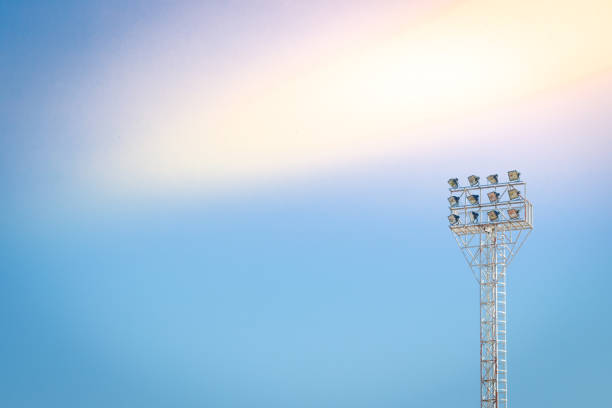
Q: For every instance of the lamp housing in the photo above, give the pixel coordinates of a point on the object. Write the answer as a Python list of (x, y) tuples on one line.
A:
[(514, 175), (473, 180), (474, 217), (513, 193), (453, 201)]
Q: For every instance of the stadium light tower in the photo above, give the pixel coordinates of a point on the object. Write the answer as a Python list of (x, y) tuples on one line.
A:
[(490, 235)]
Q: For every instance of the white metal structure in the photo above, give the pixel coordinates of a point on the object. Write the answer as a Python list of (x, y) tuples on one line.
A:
[(490, 223)]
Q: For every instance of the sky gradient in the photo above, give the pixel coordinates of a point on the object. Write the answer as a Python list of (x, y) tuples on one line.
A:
[(243, 204)]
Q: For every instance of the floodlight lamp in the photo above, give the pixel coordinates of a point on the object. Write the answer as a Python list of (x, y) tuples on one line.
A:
[(513, 213), (473, 199), (493, 179), (493, 215), (513, 193), (453, 219), (453, 200), (513, 175), (454, 183), (473, 180), (474, 217), (493, 196)]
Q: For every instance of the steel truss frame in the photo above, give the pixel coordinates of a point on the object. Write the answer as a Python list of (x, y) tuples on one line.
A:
[(488, 248)]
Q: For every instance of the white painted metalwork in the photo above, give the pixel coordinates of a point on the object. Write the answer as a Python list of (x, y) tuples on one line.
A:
[(489, 247)]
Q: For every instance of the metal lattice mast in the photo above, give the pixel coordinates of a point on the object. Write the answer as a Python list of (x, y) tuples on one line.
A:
[(489, 244)]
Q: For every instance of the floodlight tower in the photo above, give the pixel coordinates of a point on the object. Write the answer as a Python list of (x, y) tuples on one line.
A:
[(490, 234)]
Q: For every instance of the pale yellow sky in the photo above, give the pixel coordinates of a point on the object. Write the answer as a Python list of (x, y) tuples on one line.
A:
[(313, 108)]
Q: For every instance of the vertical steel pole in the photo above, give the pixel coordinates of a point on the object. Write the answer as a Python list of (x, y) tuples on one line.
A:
[(501, 320), (488, 321)]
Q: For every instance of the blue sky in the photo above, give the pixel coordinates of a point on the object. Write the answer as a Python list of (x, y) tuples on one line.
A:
[(317, 272)]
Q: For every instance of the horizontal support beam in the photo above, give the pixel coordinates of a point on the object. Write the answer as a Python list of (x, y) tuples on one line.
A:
[(504, 205), (486, 186), (480, 228)]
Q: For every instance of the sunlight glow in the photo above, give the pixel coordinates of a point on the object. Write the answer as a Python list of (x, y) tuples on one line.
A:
[(283, 117)]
